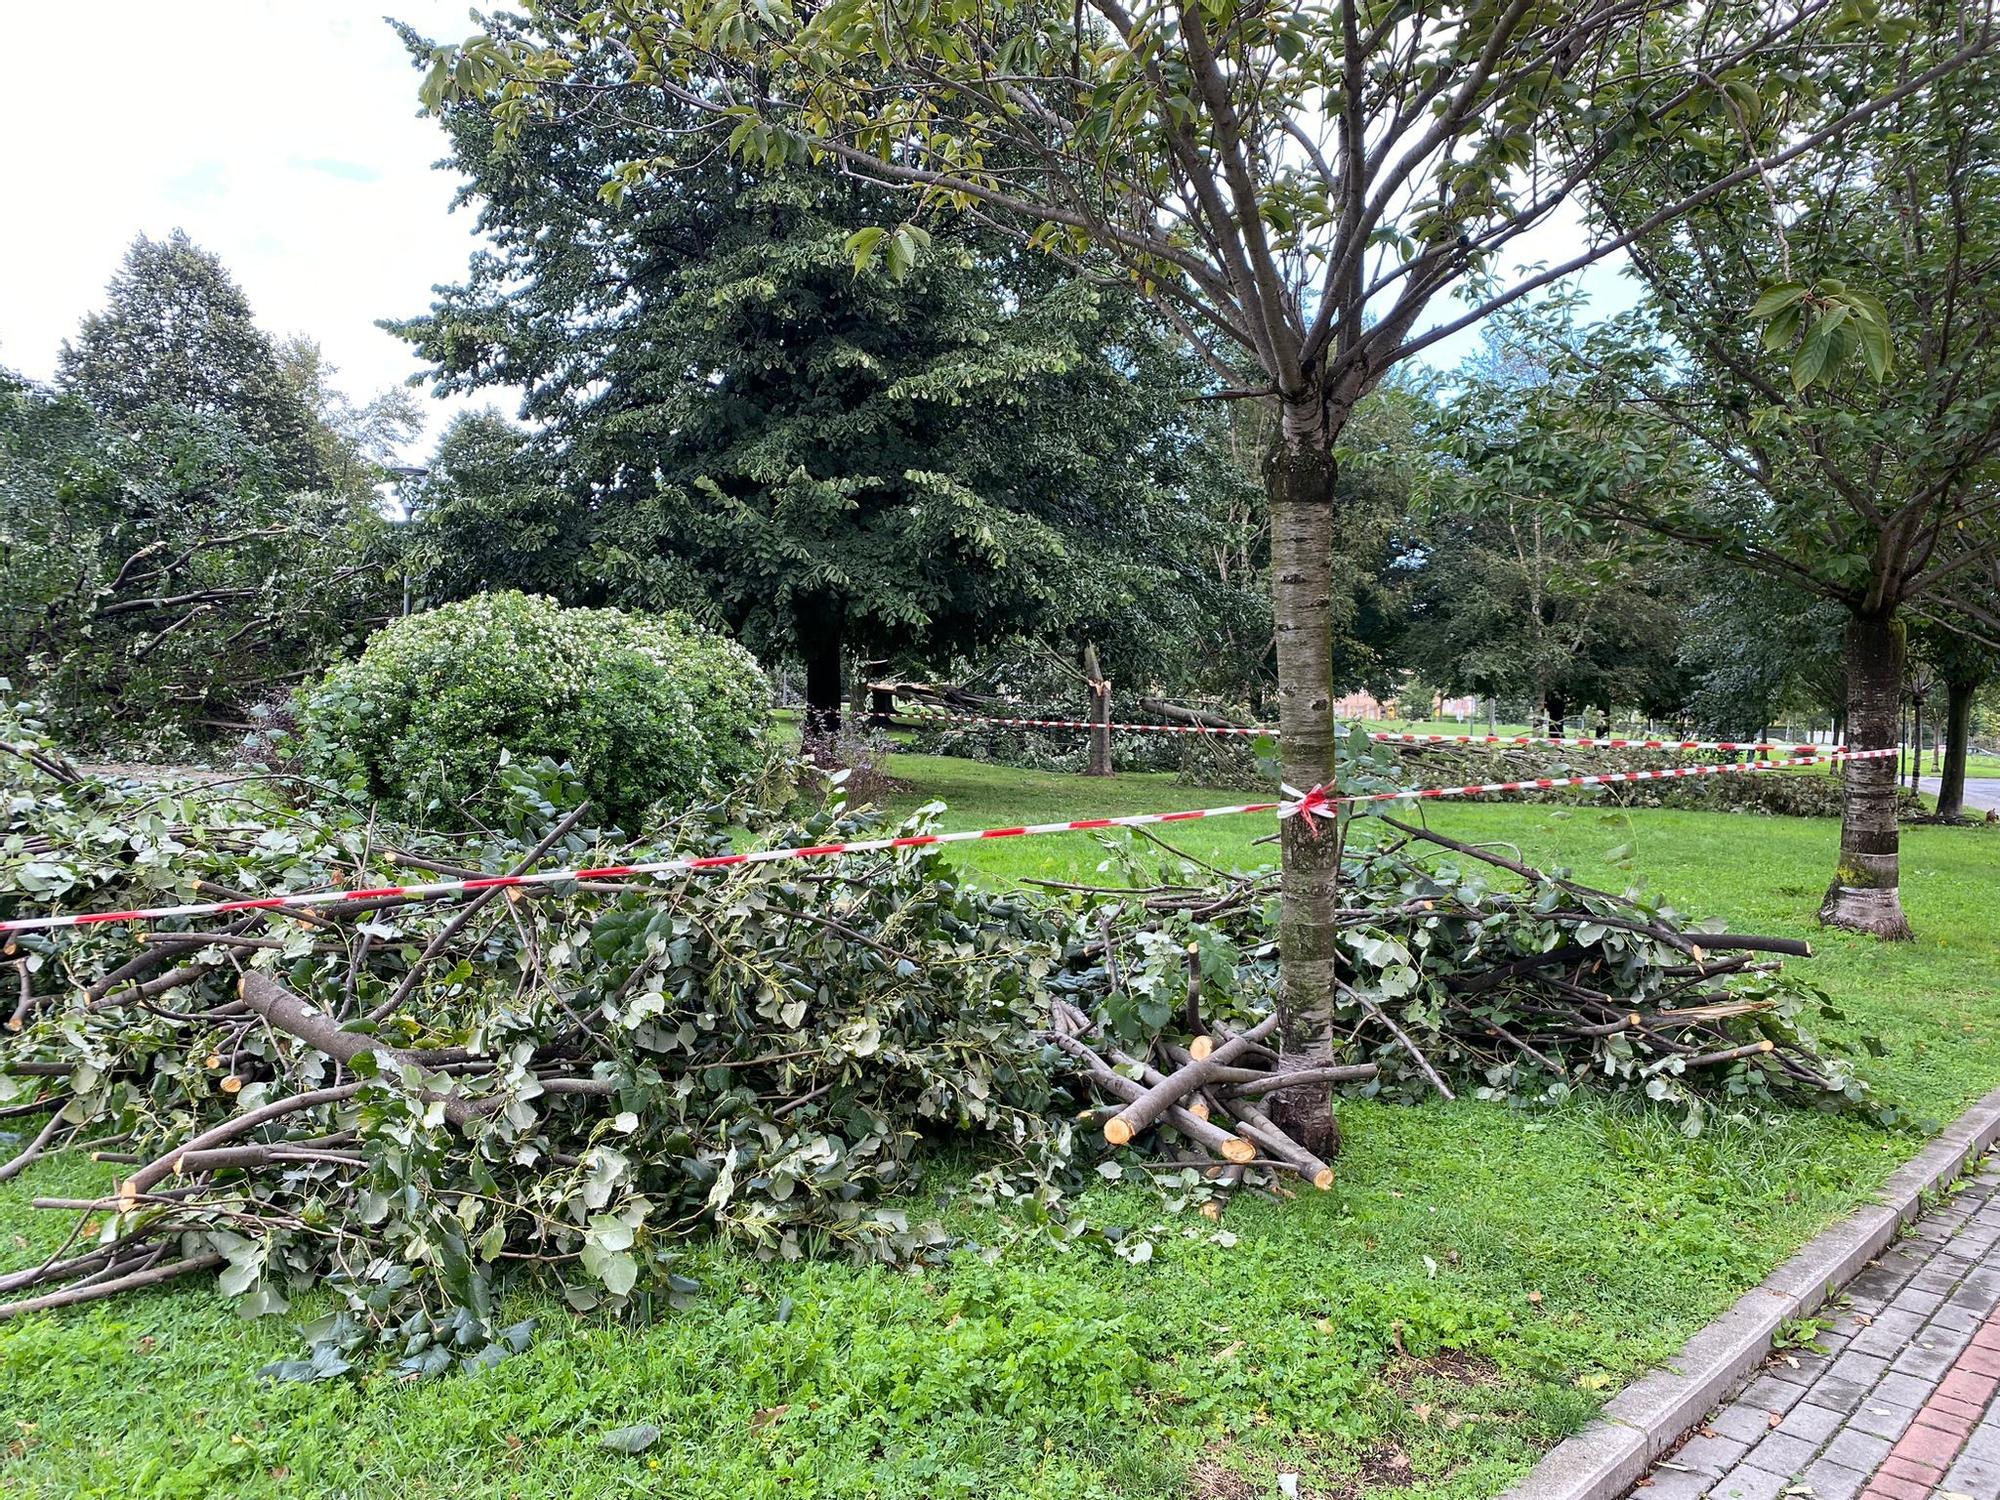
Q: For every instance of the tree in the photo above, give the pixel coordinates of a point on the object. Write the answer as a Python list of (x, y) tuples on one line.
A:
[(1756, 649), (161, 584), (1293, 186), (190, 523), (1508, 594), (1963, 665), (1826, 405), (353, 443), (486, 514), (732, 417), (176, 341)]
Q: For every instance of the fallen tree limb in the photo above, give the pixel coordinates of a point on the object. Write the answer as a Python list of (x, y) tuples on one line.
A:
[(97, 1290), (1185, 1080)]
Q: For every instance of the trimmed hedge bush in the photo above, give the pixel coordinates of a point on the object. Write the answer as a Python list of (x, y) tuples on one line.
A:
[(644, 709)]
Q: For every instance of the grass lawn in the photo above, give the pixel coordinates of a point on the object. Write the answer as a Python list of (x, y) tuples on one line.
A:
[(1477, 1282)]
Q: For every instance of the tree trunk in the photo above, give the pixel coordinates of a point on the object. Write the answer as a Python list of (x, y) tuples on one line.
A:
[(1957, 736), (1916, 743), (1299, 481), (1100, 713), (1864, 895), (820, 631)]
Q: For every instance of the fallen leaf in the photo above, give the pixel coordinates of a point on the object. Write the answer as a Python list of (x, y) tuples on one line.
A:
[(768, 1415), (1773, 1418), (1535, 1298), (634, 1439)]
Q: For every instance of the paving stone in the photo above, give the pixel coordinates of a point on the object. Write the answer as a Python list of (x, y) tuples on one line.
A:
[(1769, 1393), (1936, 1335), (1888, 1333), (1927, 1446), (1939, 1279), (1843, 1395), (1973, 1476), (1832, 1481), (1854, 1449), (1979, 1291), (1979, 1359), (1746, 1483), (1915, 1299), (1888, 1487), (1861, 1368), (1873, 1287), (1965, 1414), (1806, 1369), (1741, 1421), (1672, 1484), (1712, 1455), (1900, 1390), (1882, 1420), (1783, 1452), (1814, 1423), (1954, 1315), (1925, 1364), (1984, 1444)]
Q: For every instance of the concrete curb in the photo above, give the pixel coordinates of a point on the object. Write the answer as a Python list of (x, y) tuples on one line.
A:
[(1642, 1421)]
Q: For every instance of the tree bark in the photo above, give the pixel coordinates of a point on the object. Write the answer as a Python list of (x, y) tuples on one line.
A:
[(1916, 743), (1100, 713), (1299, 482), (1864, 894), (1957, 738), (820, 630)]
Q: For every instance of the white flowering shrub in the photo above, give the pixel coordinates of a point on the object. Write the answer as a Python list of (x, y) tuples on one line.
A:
[(644, 708)]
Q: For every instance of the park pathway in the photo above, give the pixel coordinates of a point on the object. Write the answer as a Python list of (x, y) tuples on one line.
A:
[(1897, 1401), (1982, 793)]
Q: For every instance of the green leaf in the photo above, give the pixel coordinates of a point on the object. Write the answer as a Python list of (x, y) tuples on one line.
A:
[(1776, 299), (864, 245), (1810, 364)]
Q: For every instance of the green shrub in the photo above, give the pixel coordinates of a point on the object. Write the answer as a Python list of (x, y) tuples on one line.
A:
[(645, 709)]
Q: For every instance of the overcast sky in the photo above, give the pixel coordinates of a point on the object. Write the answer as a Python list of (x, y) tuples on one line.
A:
[(284, 136), (281, 134)]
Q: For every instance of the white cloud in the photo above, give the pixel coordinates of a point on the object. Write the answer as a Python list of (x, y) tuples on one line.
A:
[(284, 136)]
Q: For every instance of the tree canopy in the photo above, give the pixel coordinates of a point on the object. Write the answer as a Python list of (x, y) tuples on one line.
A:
[(176, 341), (188, 523), (1292, 187), (732, 417), (1812, 390)]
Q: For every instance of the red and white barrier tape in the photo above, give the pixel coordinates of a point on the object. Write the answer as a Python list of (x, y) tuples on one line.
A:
[(1385, 737), (1310, 804)]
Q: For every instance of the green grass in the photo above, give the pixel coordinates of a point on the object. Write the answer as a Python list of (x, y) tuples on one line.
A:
[(1314, 1343)]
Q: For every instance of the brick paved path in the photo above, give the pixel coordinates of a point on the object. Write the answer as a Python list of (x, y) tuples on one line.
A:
[(1899, 1407)]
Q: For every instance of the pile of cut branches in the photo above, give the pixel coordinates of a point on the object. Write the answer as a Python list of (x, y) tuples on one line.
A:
[(411, 1101), (415, 1102), (1463, 969)]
